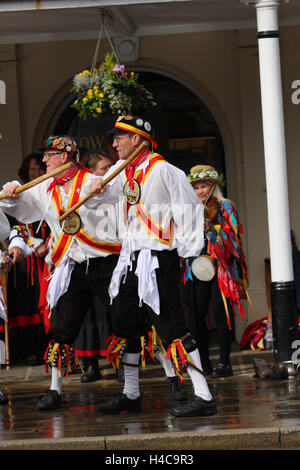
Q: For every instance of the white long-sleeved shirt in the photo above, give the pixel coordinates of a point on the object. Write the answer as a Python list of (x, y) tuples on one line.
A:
[(7, 233), (36, 204), (4, 226), (165, 195)]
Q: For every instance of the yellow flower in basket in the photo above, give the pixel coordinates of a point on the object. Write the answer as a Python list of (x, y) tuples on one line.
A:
[(109, 89)]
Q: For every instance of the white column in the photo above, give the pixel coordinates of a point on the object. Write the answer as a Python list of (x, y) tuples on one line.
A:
[(284, 314), (11, 151), (274, 141)]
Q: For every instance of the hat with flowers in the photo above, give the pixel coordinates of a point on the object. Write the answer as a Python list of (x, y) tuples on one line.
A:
[(206, 174), (63, 143)]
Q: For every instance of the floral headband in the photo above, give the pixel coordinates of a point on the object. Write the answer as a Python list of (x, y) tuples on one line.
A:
[(202, 174)]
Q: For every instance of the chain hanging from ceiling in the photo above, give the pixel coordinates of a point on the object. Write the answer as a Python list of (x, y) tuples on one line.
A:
[(103, 28)]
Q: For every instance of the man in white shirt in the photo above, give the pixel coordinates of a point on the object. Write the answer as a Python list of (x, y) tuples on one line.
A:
[(17, 250), (163, 220), (84, 252)]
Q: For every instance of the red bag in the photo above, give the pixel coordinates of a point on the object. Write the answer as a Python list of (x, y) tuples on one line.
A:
[(254, 335)]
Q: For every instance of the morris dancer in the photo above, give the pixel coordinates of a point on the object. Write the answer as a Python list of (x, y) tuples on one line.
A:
[(25, 280), (161, 211), (17, 250), (84, 252)]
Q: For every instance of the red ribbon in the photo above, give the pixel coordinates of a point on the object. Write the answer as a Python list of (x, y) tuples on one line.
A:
[(130, 169), (66, 176)]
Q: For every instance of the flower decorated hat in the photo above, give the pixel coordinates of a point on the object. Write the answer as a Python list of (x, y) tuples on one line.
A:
[(206, 174), (134, 125), (62, 143)]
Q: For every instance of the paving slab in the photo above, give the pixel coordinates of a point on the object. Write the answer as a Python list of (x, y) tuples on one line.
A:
[(252, 414)]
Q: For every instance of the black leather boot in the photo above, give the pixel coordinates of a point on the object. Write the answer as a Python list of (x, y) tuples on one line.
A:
[(177, 389), (121, 403), (196, 407), (3, 398), (222, 370), (207, 366), (92, 371), (50, 401), (120, 375)]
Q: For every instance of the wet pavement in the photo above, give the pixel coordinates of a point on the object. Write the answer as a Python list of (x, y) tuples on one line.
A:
[(253, 413)]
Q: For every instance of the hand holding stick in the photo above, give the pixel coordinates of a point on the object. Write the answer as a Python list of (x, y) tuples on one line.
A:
[(40, 179), (105, 181)]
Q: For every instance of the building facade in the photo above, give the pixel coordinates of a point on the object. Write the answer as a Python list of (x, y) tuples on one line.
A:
[(210, 78)]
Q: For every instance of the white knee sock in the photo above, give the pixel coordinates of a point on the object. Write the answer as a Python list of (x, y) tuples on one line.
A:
[(131, 375), (166, 363), (56, 381), (198, 380)]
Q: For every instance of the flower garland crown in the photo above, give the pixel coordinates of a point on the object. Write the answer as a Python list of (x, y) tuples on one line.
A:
[(206, 173)]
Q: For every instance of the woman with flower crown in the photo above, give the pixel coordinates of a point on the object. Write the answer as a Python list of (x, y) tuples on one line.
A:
[(216, 281)]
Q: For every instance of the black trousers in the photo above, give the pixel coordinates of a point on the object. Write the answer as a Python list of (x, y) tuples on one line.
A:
[(85, 285), (132, 320), (201, 297)]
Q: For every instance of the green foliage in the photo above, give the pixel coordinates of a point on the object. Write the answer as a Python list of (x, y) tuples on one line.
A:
[(109, 89)]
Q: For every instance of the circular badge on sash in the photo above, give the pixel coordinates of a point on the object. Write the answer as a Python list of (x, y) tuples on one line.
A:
[(72, 223), (132, 195)]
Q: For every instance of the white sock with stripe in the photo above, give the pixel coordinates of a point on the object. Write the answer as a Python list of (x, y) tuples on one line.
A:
[(131, 375), (198, 380), (56, 381), (166, 363)]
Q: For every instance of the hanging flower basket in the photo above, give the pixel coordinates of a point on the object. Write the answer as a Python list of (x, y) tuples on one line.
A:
[(109, 89)]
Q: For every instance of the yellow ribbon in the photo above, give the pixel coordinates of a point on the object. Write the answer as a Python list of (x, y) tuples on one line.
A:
[(226, 308), (53, 351), (175, 359), (156, 341), (143, 351), (117, 348)]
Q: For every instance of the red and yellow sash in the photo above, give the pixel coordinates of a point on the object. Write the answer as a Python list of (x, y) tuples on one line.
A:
[(162, 235), (64, 240)]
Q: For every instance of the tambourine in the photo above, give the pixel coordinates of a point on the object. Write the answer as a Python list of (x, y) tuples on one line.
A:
[(204, 268)]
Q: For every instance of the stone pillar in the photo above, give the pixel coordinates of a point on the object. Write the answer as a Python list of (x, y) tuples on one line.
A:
[(283, 302), (10, 128)]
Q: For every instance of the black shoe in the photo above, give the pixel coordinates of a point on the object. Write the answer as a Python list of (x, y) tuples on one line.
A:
[(207, 366), (121, 403), (3, 398), (91, 375), (33, 360), (196, 407), (177, 389), (223, 370), (50, 401), (120, 375)]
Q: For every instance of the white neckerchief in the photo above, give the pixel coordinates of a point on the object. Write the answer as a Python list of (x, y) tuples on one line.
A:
[(145, 272), (60, 281)]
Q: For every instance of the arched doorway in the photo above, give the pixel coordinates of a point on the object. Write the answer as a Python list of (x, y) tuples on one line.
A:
[(186, 130)]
